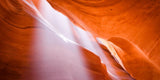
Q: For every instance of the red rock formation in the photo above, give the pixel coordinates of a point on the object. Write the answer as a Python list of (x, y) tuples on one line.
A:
[(131, 25), (25, 54), (130, 29)]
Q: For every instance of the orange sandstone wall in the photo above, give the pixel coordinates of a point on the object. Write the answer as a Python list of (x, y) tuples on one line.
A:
[(132, 25), (21, 58)]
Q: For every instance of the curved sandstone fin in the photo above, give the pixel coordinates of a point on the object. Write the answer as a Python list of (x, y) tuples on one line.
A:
[(132, 59)]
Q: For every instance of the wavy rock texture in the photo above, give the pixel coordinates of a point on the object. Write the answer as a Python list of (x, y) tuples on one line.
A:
[(131, 25), (26, 55), (130, 29)]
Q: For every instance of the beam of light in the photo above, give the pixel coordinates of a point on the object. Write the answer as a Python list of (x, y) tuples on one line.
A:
[(53, 57), (53, 61), (43, 20)]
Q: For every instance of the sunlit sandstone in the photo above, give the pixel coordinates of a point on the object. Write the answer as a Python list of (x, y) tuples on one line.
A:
[(129, 32), (131, 25)]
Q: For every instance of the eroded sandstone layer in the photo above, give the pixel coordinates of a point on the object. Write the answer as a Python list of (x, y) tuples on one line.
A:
[(132, 25), (30, 51), (129, 32)]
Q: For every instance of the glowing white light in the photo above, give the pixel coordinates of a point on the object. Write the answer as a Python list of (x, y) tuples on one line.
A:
[(52, 60)]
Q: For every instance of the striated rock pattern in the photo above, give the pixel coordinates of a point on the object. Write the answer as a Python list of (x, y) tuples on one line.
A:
[(131, 26), (129, 35), (32, 52)]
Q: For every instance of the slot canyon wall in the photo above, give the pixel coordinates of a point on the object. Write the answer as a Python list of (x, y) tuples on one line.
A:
[(129, 32), (132, 25), (27, 56)]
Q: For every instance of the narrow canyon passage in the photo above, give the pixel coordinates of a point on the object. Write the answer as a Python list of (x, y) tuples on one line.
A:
[(79, 40)]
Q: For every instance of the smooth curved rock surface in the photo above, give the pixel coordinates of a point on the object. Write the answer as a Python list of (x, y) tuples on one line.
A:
[(130, 29), (136, 21), (32, 52)]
